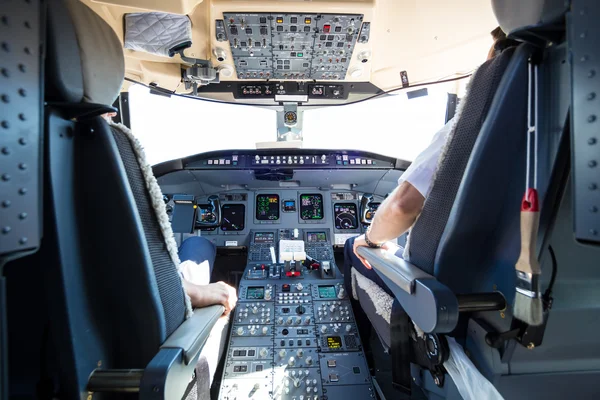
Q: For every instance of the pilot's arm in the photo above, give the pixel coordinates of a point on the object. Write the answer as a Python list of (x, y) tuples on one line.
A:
[(400, 210)]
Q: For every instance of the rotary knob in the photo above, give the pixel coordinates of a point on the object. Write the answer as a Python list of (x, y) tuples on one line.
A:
[(291, 361), (323, 328), (279, 321), (298, 321), (348, 328), (308, 361), (257, 158), (240, 331), (265, 330), (300, 310), (254, 310), (299, 287), (299, 353), (308, 389), (297, 383), (264, 352), (282, 353), (336, 329), (289, 320), (253, 331), (332, 308), (341, 293), (267, 295), (306, 320), (287, 390)]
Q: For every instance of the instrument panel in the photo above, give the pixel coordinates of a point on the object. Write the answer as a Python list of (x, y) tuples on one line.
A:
[(267, 207), (311, 207), (234, 217), (292, 46), (345, 216)]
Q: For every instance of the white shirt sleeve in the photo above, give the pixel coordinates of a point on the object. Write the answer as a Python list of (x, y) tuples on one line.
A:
[(420, 173)]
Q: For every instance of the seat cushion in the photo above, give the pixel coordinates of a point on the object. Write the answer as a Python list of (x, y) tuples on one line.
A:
[(376, 304)]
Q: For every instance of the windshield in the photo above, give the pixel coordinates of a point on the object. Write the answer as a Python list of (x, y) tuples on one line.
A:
[(392, 125)]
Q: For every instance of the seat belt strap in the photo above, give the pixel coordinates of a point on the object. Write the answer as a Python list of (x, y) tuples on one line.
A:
[(400, 348)]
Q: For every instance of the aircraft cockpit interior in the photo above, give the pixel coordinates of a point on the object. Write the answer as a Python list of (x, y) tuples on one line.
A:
[(299, 200)]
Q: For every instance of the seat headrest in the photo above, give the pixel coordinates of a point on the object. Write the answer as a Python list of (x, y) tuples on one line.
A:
[(515, 15), (85, 61)]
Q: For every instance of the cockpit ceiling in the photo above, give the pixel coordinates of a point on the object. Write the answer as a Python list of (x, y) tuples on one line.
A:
[(429, 39)]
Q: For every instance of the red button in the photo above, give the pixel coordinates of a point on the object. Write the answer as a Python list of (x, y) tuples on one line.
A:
[(326, 28)]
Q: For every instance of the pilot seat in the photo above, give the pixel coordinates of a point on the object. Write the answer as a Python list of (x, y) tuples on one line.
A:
[(457, 276), (121, 321)]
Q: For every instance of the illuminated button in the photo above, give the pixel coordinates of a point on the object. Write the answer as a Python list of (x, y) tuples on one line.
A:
[(300, 54), (334, 378), (307, 21), (365, 161), (351, 161), (280, 20), (210, 162), (331, 363), (369, 161), (326, 28)]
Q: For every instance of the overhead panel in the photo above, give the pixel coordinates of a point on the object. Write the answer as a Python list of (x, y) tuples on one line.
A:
[(292, 46)]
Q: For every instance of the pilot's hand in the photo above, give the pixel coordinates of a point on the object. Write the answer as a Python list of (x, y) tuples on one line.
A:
[(360, 241), (214, 293)]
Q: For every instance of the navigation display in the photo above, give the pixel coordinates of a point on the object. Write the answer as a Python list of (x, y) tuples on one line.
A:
[(316, 237), (370, 214), (311, 206), (327, 292), (345, 216), (234, 216), (264, 237), (267, 207)]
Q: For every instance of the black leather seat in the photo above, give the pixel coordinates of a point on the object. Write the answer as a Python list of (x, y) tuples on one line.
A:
[(467, 237), (117, 297)]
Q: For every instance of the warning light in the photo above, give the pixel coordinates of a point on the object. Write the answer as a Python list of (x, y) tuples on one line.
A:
[(279, 20), (326, 28), (307, 21)]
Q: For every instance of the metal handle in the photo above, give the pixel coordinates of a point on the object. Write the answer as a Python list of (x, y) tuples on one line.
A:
[(115, 380)]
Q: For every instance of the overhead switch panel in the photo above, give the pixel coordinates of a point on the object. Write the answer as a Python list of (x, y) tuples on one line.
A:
[(292, 46)]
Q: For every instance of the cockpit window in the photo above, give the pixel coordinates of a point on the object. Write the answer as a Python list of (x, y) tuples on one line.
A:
[(390, 125)]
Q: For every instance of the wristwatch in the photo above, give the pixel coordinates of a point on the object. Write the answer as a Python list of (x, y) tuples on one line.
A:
[(369, 243)]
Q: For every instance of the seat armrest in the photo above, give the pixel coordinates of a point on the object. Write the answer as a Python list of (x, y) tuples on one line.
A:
[(193, 333), (396, 269), (430, 304)]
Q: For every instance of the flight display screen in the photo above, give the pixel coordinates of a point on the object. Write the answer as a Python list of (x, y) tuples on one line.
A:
[(234, 217), (267, 207), (311, 206), (289, 205), (327, 292), (264, 237), (255, 293), (316, 237), (370, 214), (345, 216), (205, 214), (334, 342)]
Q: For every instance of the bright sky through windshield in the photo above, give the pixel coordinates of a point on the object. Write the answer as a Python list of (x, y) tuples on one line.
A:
[(177, 127)]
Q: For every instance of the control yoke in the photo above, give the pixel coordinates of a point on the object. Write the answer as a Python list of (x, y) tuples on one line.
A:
[(215, 204), (366, 199)]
